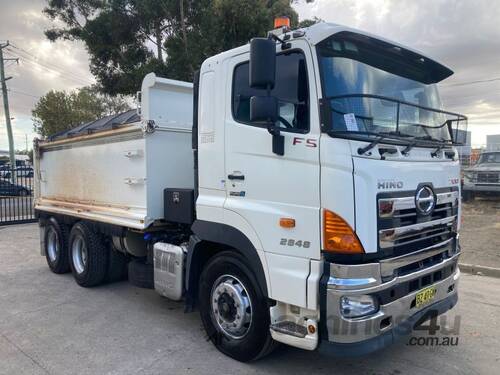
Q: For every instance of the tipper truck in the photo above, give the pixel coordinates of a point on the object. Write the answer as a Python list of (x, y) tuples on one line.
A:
[(304, 189)]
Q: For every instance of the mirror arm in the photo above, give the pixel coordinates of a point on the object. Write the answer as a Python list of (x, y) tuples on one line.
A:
[(273, 129), (284, 44)]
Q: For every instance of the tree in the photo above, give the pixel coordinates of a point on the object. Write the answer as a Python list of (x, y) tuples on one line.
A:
[(126, 39), (57, 111), (116, 34), (309, 22), (215, 26)]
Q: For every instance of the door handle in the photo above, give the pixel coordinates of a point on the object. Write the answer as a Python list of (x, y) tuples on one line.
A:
[(236, 177)]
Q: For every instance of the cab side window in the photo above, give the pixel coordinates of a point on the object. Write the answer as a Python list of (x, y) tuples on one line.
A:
[(291, 90)]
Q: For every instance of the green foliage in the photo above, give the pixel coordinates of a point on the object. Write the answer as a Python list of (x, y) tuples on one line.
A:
[(310, 22), (57, 111), (126, 39)]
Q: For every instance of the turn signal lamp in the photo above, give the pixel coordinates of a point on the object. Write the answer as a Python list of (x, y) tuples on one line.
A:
[(338, 236), (286, 222), (281, 22)]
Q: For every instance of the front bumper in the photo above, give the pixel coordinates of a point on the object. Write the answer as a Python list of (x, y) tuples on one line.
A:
[(397, 312), (388, 337), (479, 187)]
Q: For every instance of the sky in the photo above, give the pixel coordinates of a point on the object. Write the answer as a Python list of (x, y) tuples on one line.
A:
[(462, 34)]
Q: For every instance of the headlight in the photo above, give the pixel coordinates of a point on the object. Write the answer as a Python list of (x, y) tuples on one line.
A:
[(357, 306)]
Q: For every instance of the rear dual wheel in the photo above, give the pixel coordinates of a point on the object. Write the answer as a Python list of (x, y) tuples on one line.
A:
[(88, 256), (56, 246), (84, 252)]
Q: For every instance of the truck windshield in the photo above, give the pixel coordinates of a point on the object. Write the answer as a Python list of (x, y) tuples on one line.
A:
[(489, 158), (374, 88)]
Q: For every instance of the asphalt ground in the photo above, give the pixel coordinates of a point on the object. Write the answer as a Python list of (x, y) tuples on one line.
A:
[(50, 325)]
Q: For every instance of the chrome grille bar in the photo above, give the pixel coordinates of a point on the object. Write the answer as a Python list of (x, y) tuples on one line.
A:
[(408, 203), (388, 237), (387, 266)]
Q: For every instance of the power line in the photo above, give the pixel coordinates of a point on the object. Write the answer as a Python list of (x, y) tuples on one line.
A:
[(47, 68), (23, 93), (472, 82), (53, 71), (51, 66), (57, 71)]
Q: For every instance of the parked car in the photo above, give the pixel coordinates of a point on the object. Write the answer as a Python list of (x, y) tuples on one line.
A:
[(24, 172), (8, 188), (484, 177), (4, 172)]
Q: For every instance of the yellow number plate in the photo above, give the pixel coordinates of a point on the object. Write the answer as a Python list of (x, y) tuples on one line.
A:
[(425, 296)]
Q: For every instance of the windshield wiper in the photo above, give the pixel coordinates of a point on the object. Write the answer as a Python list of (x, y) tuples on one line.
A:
[(434, 153), (396, 134), (363, 150), (443, 144), (408, 148), (432, 139), (380, 137)]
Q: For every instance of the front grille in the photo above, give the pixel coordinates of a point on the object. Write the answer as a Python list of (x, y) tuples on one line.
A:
[(401, 229), (487, 177)]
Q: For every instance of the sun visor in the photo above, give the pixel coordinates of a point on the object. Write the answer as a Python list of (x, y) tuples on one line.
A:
[(385, 56)]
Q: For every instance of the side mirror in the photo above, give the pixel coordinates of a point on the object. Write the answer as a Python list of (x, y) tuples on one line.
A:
[(262, 73), (264, 109)]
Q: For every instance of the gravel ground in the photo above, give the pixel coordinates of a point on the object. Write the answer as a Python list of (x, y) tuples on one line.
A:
[(480, 232)]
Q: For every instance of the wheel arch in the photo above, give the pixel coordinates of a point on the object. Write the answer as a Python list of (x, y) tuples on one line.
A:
[(210, 238)]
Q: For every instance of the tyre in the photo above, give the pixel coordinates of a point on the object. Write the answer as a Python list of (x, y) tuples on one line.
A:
[(117, 266), (56, 246), (141, 274), (233, 308), (88, 255), (467, 196)]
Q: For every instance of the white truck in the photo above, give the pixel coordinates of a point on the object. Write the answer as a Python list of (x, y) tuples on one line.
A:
[(305, 189)]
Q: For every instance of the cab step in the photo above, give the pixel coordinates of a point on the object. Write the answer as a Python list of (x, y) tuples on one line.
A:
[(297, 335), (290, 328)]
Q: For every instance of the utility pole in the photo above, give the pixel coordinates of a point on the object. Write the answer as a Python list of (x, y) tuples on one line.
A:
[(3, 79)]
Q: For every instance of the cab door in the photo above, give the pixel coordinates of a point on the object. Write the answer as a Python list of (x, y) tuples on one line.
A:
[(262, 187)]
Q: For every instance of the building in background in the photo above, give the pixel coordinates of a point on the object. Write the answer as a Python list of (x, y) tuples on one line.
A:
[(464, 151), (493, 142)]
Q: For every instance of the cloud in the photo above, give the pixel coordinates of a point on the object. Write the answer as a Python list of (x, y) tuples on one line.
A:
[(43, 65), (461, 34)]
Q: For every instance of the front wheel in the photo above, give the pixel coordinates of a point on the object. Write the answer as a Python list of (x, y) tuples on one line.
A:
[(233, 308)]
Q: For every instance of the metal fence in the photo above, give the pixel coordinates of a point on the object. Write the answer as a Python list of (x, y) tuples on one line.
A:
[(16, 195)]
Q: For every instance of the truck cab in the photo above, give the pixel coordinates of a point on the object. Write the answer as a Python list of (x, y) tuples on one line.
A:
[(357, 213), (313, 201)]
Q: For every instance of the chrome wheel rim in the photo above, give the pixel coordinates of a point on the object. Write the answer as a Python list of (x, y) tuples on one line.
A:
[(79, 254), (52, 244), (231, 306)]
